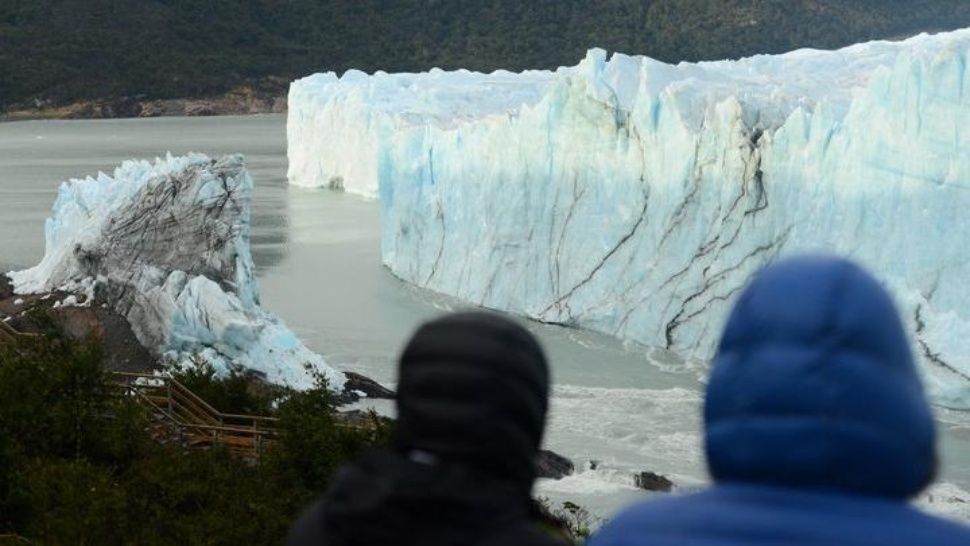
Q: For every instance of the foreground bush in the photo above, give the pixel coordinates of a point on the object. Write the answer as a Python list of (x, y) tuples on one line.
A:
[(78, 464)]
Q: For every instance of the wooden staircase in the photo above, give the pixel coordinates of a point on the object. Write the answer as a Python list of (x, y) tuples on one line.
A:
[(182, 416), (10, 335)]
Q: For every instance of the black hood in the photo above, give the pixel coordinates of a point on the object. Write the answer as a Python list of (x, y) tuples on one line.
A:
[(472, 399), (473, 390)]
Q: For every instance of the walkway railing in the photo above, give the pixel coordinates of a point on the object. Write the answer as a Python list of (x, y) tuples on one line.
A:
[(9, 334), (196, 423)]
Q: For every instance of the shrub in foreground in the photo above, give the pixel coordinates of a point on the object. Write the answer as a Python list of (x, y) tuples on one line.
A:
[(78, 463)]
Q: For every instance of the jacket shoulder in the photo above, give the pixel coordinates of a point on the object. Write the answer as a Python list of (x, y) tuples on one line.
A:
[(525, 534), (648, 521), (308, 529), (790, 518)]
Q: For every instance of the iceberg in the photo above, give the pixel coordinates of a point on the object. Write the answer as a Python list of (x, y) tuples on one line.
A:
[(166, 245), (636, 198)]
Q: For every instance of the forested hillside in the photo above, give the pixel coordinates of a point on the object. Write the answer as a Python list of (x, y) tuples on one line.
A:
[(64, 50)]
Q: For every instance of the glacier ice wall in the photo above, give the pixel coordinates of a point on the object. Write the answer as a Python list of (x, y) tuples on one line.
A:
[(636, 198), (334, 132), (167, 245)]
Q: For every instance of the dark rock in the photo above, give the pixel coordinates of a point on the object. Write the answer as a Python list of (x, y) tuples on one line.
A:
[(121, 351), (552, 465), (355, 418), (652, 481), (127, 107), (279, 105), (201, 108), (370, 388), (360, 386), (21, 324), (120, 348), (152, 109), (6, 289), (344, 398)]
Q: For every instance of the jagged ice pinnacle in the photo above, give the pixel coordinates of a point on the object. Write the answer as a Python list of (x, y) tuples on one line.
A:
[(167, 246)]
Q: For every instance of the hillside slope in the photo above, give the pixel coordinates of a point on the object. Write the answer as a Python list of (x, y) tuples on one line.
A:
[(58, 51)]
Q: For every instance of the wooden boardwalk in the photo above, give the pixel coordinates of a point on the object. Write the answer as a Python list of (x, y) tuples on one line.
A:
[(10, 335), (192, 421), (180, 415)]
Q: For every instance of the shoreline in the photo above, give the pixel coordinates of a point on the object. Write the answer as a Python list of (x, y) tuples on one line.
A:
[(268, 97), (123, 351)]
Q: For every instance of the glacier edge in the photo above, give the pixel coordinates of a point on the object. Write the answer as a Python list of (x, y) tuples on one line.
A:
[(636, 198)]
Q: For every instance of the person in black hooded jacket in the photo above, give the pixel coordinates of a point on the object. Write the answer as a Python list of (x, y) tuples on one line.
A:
[(472, 398)]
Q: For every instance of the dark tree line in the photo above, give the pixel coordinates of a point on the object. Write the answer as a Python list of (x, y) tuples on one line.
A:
[(65, 50)]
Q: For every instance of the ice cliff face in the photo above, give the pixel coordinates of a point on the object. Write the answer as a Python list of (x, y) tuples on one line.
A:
[(338, 131), (167, 245), (636, 198)]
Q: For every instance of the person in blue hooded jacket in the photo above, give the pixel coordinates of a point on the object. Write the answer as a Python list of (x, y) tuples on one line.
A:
[(817, 428)]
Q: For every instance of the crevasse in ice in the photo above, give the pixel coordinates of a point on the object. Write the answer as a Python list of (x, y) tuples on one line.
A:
[(636, 198), (167, 246)]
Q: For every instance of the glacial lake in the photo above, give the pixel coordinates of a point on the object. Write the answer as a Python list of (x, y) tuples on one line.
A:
[(318, 261)]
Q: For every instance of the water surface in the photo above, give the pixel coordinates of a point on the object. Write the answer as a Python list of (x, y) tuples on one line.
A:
[(318, 263)]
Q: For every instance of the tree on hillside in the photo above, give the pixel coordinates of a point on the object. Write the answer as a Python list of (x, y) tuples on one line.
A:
[(66, 50)]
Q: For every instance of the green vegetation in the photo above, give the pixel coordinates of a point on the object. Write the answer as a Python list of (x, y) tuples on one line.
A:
[(78, 463), (67, 50)]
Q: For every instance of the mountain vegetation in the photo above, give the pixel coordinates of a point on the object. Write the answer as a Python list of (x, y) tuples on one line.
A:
[(57, 51)]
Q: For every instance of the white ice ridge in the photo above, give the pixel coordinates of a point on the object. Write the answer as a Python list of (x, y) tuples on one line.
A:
[(168, 247), (636, 198)]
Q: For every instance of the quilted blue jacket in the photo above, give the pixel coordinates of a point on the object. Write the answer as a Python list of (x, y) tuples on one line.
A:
[(817, 429)]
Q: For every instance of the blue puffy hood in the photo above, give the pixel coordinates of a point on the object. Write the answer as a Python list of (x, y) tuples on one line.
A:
[(814, 386)]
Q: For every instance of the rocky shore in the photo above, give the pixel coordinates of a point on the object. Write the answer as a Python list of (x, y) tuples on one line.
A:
[(122, 352), (263, 97)]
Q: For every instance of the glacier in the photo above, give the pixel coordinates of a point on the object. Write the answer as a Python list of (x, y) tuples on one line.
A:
[(167, 245), (636, 198)]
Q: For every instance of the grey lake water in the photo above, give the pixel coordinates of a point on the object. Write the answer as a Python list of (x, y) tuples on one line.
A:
[(318, 263)]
